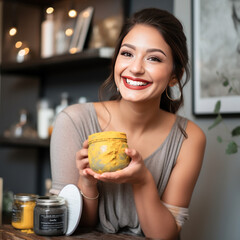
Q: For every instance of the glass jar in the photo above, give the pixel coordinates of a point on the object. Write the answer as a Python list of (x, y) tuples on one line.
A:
[(106, 151), (50, 216), (23, 210)]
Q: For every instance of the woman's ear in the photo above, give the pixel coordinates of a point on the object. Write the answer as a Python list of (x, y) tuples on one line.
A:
[(173, 81)]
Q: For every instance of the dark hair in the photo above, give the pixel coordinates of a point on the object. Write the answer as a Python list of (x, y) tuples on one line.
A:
[(172, 31)]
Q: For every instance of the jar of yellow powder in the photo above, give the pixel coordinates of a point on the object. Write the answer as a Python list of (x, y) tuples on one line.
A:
[(106, 151), (22, 210)]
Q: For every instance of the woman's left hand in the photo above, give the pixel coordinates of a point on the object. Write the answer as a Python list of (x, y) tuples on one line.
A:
[(134, 173)]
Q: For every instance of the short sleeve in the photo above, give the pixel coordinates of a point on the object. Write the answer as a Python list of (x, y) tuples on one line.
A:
[(71, 128), (65, 142)]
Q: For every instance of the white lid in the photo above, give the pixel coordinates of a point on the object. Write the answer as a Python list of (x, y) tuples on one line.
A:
[(74, 203)]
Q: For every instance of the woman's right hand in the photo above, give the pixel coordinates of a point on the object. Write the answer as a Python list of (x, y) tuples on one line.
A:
[(82, 163)]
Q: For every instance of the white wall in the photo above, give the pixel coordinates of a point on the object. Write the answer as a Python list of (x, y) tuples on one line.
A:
[(215, 205)]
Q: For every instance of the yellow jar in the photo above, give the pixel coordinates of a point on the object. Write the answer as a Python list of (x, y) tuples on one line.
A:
[(23, 211), (106, 151)]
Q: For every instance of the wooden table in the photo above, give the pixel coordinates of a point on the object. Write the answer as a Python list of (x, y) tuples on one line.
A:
[(7, 232)]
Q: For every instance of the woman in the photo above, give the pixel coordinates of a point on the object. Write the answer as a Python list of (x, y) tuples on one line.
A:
[(150, 196)]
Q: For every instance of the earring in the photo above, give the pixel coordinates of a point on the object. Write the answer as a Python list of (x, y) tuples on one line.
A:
[(117, 89), (172, 99)]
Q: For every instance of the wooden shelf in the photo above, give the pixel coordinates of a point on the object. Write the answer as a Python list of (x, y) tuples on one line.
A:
[(24, 142), (81, 59)]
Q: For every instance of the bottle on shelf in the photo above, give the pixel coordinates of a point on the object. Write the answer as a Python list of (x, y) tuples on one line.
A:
[(47, 36), (44, 119), (82, 99), (21, 128), (63, 104)]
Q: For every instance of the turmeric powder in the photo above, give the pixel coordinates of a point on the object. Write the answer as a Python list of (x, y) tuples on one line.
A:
[(106, 152), (23, 210)]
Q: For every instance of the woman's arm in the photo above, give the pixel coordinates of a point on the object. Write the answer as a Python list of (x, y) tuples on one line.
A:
[(88, 186), (64, 145), (155, 219)]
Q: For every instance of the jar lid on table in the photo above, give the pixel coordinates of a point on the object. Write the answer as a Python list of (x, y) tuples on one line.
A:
[(74, 203)]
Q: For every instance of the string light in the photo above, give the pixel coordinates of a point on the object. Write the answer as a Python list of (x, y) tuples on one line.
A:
[(13, 31), (23, 52), (73, 50), (69, 32), (26, 50), (18, 44), (49, 10), (72, 13)]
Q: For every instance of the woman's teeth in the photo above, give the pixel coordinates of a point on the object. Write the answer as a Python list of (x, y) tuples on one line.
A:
[(135, 83)]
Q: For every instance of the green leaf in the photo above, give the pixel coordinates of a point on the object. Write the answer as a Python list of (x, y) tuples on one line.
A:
[(231, 148), (216, 122), (219, 139), (230, 90), (226, 83), (217, 106), (236, 131)]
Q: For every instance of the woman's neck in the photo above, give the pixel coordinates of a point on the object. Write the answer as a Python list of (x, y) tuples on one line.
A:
[(138, 116)]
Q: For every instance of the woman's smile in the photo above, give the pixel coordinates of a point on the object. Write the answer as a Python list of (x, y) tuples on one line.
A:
[(135, 83)]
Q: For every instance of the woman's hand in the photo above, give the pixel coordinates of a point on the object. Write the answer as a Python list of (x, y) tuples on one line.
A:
[(134, 173), (82, 164)]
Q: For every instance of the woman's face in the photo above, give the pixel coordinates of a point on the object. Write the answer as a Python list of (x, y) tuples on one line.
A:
[(144, 65)]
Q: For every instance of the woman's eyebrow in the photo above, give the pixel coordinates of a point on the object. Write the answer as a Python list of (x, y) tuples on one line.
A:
[(128, 45), (156, 50), (148, 50)]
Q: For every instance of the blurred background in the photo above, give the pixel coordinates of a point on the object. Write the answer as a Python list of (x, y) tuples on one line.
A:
[(37, 80)]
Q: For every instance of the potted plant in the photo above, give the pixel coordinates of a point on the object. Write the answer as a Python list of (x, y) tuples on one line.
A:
[(232, 146)]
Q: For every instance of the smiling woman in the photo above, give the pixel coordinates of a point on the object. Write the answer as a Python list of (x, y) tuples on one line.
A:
[(139, 66), (151, 195)]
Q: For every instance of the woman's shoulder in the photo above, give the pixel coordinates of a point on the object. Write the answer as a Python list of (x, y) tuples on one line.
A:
[(76, 113), (75, 108), (191, 128), (194, 131), (193, 147), (80, 109)]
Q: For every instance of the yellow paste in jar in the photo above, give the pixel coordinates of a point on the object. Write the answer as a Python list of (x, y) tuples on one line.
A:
[(106, 152), (25, 211)]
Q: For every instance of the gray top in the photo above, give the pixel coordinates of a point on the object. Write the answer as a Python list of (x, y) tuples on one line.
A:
[(117, 210)]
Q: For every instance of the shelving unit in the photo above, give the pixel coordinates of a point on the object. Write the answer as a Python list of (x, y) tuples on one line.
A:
[(79, 74), (24, 142), (36, 67)]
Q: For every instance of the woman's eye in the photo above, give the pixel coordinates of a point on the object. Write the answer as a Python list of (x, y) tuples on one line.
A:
[(154, 59), (126, 54)]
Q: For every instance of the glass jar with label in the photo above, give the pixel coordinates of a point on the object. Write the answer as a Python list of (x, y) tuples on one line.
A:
[(50, 216), (23, 210)]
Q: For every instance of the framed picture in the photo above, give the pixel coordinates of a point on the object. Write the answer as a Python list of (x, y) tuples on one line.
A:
[(216, 56)]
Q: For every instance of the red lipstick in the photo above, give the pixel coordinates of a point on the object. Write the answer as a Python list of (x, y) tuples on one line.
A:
[(135, 86)]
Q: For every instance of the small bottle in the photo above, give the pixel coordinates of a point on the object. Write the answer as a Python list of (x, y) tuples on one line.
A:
[(50, 216), (47, 37), (17, 130), (23, 210), (82, 100), (21, 128), (45, 116), (63, 103)]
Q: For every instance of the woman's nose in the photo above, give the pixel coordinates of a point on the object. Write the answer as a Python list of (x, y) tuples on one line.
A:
[(137, 66)]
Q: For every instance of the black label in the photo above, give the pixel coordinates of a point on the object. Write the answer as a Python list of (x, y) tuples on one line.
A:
[(16, 214), (51, 221)]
